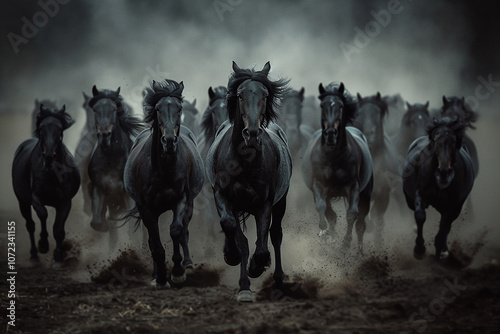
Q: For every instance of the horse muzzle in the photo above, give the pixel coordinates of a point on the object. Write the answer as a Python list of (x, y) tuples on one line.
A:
[(252, 138), (169, 144), (444, 177), (330, 136), (104, 139)]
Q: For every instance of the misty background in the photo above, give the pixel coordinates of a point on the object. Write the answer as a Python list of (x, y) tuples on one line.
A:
[(428, 50)]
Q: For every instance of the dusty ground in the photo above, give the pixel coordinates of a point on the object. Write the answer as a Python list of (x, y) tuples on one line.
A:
[(103, 289)]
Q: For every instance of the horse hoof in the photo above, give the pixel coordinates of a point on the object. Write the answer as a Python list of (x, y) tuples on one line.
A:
[(159, 286), (188, 265), (323, 232), (232, 260), (419, 255), (179, 279), (99, 227), (254, 272), (444, 255), (57, 265), (43, 246), (245, 296)]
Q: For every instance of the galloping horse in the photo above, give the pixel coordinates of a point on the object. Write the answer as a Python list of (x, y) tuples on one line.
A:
[(213, 117), (190, 116), (83, 152), (249, 167), (298, 134), (115, 126), (438, 172), (44, 173), (165, 172), (370, 120), (337, 163)]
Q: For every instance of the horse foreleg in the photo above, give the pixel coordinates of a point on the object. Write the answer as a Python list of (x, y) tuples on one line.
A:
[(364, 209), (41, 211), (261, 258), (379, 208), (440, 241), (176, 233), (352, 215), (321, 205), (188, 214), (276, 232), (30, 226), (229, 224), (244, 293), (420, 216), (62, 213), (150, 220), (99, 222)]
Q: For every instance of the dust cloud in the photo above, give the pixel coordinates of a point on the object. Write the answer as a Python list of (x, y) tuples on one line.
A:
[(423, 51)]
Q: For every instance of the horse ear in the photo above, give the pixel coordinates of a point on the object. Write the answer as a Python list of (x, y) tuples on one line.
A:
[(211, 93), (193, 103), (117, 92), (341, 88), (301, 94), (85, 96), (378, 96), (445, 101), (427, 105), (359, 96), (321, 89), (408, 106), (235, 67), (266, 68), (95, 92), (156, 86), (181, 86)]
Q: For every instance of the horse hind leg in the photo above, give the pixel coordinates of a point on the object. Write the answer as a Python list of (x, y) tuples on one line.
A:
[(58, 230), (276, 233), (41, 211), (30, 226)]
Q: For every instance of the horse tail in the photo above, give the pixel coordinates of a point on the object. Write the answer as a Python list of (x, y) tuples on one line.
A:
[(132, 214), (242, 219)]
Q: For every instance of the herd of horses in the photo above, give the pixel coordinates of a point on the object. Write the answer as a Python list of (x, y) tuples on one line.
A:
[(251, 133)]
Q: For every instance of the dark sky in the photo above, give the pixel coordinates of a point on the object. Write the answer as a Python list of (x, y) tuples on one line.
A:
[(425, 50)]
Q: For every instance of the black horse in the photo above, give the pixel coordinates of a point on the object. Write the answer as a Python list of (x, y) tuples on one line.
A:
[(48, 104), (290, 120), (249, 167), (213, 117), (438, 172), (370, 120), (337, 163), (165, 172), (115, 125), (457, 108), (190, 116), (83, 152), (44, 173), (413, 125)]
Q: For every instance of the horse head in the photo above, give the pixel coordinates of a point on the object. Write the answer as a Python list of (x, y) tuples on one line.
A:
[(416, 119), (446, 137), (292, 110), (217, 107), (50, 124), (370, 120), (163, 107), (457, 109), (106, 104)]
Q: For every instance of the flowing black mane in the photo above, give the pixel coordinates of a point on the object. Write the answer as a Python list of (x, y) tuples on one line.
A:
[(61, 115), (350, 103), (130, 124), (468, 117), (277, 89), (157, 91), (454, 124), (207, 119)]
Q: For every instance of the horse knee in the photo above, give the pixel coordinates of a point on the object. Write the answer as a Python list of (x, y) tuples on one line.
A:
[(420, 216), (228, 224), (176, 230)]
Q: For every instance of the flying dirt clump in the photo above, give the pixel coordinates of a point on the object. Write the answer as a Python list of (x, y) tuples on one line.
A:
[(127, 267)]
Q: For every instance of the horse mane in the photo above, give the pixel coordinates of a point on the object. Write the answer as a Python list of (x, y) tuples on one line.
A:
[(130, 124), (350, 103), (376, 100), (470, 116), (455, 124), (207, 119), (61, 115), (157, 91), (276, 89)]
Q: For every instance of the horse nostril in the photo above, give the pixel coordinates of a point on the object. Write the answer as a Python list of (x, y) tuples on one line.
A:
[(246, 134)]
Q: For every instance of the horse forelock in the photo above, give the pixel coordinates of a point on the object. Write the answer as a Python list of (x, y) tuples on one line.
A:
[(154, 93), (64, 118), (380, 103), (455, 125), (276, 89), (468, 115)]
